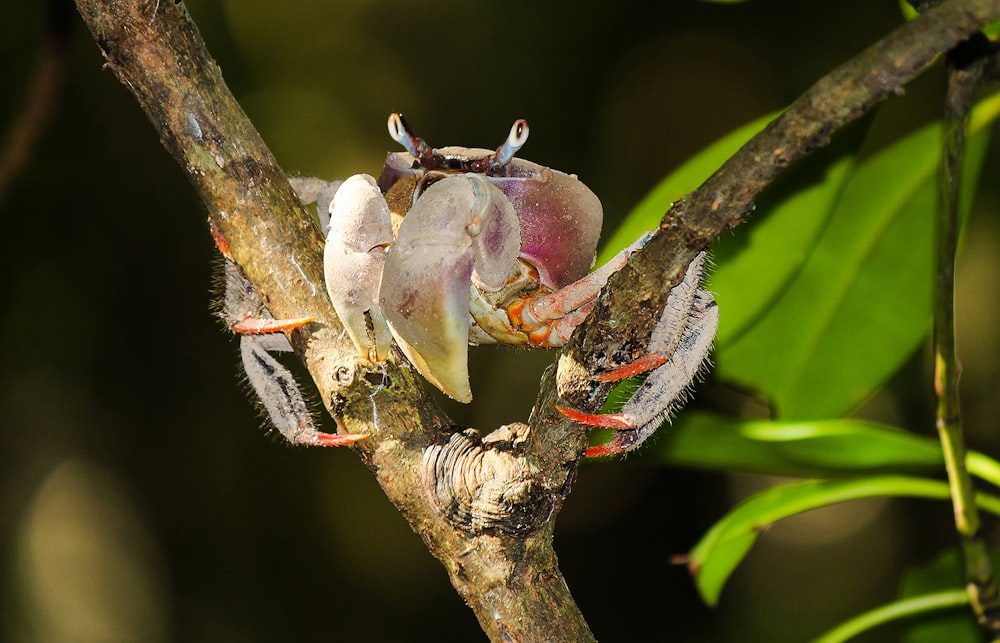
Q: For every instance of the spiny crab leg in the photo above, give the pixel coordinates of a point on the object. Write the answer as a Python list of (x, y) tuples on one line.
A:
[(274, 384), (620, 422), (677, 350)]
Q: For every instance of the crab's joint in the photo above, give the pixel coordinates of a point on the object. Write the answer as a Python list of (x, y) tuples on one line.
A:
[(256, 326)]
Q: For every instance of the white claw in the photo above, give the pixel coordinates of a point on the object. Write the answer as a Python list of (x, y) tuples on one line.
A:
[(360, 230), (462, 230)]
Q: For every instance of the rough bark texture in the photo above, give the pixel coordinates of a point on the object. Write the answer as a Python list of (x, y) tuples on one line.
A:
[(504, 565)]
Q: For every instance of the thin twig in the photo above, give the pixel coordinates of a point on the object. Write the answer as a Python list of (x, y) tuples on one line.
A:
[(966, 65), (637, 293), (40, 98)]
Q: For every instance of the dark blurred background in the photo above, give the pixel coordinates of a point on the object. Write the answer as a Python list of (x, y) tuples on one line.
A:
[(140, 497)]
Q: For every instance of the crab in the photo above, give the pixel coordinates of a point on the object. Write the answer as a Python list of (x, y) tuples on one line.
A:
[(457, 246)]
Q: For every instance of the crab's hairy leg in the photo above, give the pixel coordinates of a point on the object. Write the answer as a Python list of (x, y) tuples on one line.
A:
[(274, 385), (677, 350), (282, 398), (642, 365)]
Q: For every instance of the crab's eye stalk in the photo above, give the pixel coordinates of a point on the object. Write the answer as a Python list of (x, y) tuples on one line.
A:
[(515, 140), (397, 129), (401, 133)]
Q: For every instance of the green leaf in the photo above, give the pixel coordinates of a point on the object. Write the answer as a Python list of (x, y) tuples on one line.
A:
[(906, 609), (720, 550), (945, 572), (752, 269), (820, 448), (805, 449), (791, 214), (861, 302)]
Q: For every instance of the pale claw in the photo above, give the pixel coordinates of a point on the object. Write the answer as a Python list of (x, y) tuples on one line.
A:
[(677, 349), (462, 230), (360, 230)]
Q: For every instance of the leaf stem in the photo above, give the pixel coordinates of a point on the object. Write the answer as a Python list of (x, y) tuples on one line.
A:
[(965, 65)]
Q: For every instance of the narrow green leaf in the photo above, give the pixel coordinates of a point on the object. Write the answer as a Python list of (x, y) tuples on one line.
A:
[(821, 448), (790, 215), (720, 550), (895, 611), (806, 449), (861, 302), (943, 573)]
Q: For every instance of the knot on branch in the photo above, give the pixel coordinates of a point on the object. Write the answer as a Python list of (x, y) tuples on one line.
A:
[(483, 485)]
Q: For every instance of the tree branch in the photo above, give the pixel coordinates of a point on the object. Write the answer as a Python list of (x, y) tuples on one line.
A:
[(727, 196), (496, 546)]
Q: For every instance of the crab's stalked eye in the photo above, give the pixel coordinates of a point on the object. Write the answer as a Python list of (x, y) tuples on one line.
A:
[(402, 134), (515, 140)]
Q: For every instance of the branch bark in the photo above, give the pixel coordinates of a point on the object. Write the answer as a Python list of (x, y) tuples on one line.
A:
[(503, 565)]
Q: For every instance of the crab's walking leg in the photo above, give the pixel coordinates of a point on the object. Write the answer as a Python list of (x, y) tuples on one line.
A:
[(677, 349), (274, 384), (549, 318)]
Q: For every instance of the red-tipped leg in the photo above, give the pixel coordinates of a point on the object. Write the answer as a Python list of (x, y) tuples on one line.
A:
[(257, 326), (319, 439), (624, 436), (642, 365), (305, 433), (220, 241), (605, 450), (615, 421)]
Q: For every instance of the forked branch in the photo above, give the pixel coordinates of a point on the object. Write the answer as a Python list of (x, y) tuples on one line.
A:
[(509, 576)]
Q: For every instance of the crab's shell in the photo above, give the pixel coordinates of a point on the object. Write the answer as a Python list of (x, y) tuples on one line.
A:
[(560, 217)]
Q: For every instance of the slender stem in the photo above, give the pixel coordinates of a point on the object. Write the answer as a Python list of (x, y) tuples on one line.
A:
[(965, 70), (41, 97)]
